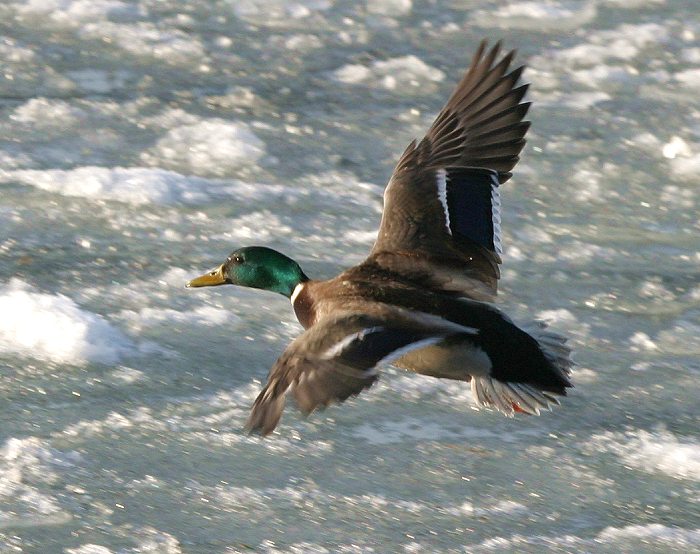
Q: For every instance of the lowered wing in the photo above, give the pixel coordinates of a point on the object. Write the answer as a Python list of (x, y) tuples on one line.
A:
[(334, 359)]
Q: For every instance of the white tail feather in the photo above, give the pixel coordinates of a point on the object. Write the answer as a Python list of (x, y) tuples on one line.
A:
[(508, 398)]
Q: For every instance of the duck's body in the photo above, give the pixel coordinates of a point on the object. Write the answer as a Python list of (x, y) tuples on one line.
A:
[(421, 300)]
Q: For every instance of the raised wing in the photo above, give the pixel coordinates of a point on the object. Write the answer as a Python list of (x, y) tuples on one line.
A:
[(334, 359), (442, 204)]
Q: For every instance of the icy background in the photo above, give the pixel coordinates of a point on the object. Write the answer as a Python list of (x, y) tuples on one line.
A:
[(142, 140)]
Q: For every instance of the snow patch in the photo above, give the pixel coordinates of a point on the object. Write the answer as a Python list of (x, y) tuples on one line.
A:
[(412, 429), (391, 8), (277, 13), (642, 341), (53, 327), (71, 12), (145, 38), (674, 537), (133, 185), (538, 15), (46, 114), (503, 507), (689, 78), (564, 321), (682, 339), (89, 549), (683, 168), (655, 451), (208, 147), (675, 147), (203, 316), (150, 539), (624, 43), (403, 73), (28, 467)]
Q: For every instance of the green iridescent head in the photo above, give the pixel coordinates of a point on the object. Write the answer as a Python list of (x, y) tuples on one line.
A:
[(256, 267)]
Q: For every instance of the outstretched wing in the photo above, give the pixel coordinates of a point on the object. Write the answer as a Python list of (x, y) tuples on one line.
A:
[(331, 361), (442, 204)]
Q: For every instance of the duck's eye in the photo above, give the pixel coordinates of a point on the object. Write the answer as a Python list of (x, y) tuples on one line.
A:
[(237, 259)]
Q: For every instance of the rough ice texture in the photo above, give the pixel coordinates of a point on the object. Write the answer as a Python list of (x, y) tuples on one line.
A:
[(134, 185), (682, 339), (147, 539), (683, 168), (48, 115), (551, 14), (623, 43), (71, 11), (203, 316), (89, 549), (641, 341), (406, 72), (656, 451), (654, 533), (630, 4), (689, 78), (278, 13), (562, 320), (394, 431), (53, 327), (389, 7), (208, 147), (101, 20), (502, 507), (28, 467), (676, 147), (632, 538), (172, 46)]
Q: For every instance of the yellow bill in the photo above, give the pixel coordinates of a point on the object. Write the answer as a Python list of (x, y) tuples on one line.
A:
[(211, 279)]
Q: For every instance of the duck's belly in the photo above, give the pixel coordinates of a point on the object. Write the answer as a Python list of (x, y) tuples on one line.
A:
[(453, 361)]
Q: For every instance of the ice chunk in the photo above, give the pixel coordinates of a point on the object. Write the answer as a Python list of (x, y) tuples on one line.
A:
[(277, 13), (71, 11), (675, 147), (655, 451), (653, 533), (46, 114), (641, 341), (689, 78), (134, 185), (406, 72), (389, 7), (89, 549), (686, 167), (53, 327), (203, 316), (29, 468), (625, 42), (208, 147), (548, 14)]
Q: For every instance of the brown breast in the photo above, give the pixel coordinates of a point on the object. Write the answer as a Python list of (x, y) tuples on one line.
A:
[(304, 306)]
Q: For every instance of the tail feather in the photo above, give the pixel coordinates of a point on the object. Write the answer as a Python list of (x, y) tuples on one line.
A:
[(554, 347), (510, 397)]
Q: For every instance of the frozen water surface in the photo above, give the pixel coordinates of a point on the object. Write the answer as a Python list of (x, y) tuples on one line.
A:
[(142, 140)]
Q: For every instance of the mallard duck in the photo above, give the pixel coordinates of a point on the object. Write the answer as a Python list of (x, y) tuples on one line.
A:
[(422, 300)]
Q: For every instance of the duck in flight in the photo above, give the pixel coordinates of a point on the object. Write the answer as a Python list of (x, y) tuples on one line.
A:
[(422, 300)]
